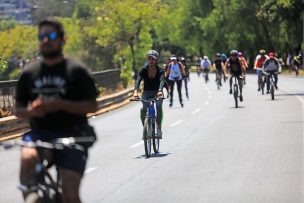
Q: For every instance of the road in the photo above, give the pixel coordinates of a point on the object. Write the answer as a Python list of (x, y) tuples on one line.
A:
[(211, 152)]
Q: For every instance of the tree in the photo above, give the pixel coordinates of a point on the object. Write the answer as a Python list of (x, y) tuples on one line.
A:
[(126, 26)]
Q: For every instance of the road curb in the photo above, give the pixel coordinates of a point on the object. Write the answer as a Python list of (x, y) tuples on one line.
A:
[(12, 127)]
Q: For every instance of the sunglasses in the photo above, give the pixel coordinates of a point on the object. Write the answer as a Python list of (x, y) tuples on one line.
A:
[(150, 58), (50, 36)]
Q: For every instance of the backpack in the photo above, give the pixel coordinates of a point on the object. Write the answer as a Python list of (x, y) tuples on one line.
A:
[(206, 64), (268, 61)]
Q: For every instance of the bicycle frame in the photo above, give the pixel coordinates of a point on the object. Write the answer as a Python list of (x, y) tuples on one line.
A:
[(43, 187)]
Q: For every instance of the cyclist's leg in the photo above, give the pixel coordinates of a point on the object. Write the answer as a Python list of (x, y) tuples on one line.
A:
[(230, 84), (259, 73), (145, 96), (186, 86), (240, 81), (171, 82), (29, 157), (276, 79), (179, 89), (268, 81), (70, 186), (159, 110), (71, 163)]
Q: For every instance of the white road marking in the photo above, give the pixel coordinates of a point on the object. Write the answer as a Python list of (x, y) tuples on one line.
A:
[(136, 145), (206, 103), (196, 111), (176, 123), (89, 170)]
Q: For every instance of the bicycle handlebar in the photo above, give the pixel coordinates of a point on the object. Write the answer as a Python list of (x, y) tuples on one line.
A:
[(59, 143)]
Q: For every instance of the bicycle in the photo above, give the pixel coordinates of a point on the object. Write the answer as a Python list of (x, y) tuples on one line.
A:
[(44, 187), (149, 127), (270, 77), (235, 90)]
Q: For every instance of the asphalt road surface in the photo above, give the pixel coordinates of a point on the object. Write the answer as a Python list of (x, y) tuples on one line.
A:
[(211, 152)]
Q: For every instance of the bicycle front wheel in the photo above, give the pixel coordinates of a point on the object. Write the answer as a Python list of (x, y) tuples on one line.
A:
[(147, 132), (155, 139), (272, 91), (235, 95)]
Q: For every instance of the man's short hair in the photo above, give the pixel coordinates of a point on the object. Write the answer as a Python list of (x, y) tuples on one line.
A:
[(54, 23)]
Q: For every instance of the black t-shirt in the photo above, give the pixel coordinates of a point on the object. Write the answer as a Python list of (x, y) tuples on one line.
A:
[(235, 66), (218, 64), (150, 84), (66, 80)]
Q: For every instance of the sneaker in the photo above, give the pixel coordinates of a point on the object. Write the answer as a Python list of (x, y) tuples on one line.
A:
[(268, 92), (230, 91), (159, 134), (182, 105), (259, 89), (241, 98), (276, 87), (170, 105)]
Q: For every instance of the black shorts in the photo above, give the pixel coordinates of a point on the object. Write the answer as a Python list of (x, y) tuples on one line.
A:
[(237, 74), (70, 159)]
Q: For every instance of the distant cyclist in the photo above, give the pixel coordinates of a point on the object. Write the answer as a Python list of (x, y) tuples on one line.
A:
[(219, 67), (154, 79), (187, 75), (296, 63), (258, 64), (272, 66), (175, 73), (205, 67), (234, 65), (244, 65)]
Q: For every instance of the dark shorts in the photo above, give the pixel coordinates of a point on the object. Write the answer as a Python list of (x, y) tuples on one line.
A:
[(236, 73), (70, 159)]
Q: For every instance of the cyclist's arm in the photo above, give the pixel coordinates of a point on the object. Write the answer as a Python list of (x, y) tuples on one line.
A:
[(225, 68), (137, 84), (162, 82)]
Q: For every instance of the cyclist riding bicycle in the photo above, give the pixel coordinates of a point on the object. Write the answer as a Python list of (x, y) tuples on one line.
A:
[(258, 64), (234, 65), (154, 79), (272, 66), (206, 66), (219, 67), (55, 94)]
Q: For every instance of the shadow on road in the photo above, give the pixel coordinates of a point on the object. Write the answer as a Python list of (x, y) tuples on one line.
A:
[(158, 155)]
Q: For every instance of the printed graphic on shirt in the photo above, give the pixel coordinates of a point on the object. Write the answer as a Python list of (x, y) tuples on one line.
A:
[(49, 87)]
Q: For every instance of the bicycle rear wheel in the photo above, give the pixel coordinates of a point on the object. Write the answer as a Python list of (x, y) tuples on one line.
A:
[(147, 137), (235, 95)]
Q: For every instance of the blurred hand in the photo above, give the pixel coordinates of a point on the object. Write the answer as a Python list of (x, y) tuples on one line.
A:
[(160, 94), (36, 108)]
